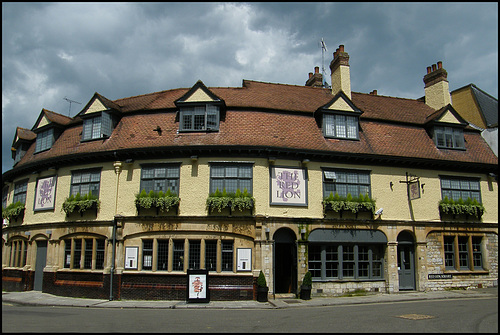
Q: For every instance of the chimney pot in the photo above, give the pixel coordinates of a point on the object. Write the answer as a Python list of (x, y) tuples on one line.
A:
[(316, 69), (374, 92), (440, 64), (310, 75), (429, 69), (433, 67), (341, 48)]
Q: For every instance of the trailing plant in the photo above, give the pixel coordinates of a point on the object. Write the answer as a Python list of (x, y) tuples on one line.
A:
[(80, 203), (238, 200), (354, 204), (163, 201), (261, 281), (469, 207), (307, 281), (13, 210)]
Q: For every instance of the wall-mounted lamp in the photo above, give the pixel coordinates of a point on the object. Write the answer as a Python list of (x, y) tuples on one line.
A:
[(266, 230), (391, 184), (271, 160), (422, 186), (48, 232), (194, 159), (303, 233), (305, 162), (129, 161)]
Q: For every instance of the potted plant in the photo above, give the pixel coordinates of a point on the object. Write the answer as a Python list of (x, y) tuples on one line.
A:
[(13, 211), (161, 201), (336, 203), (80, 203), (239, 200), (305, 288), (262, 288)]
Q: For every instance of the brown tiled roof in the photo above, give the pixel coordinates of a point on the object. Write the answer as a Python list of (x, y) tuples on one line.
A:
[(25, 134), (275, 116), (56, 117)]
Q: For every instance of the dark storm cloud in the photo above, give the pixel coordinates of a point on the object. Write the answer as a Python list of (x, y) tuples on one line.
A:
[(56, 50)]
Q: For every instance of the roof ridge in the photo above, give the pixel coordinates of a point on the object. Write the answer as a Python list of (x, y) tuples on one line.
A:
[(152, 93)]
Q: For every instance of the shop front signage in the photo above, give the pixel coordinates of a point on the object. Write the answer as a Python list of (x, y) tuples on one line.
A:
[(288, 186)]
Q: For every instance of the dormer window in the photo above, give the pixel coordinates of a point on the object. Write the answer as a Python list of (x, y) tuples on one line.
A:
[(199, 118), (340, 126), (98, 126), (44, 140), (449, 137)]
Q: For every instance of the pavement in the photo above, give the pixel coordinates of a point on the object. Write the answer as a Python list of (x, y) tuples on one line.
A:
[(38, 298)]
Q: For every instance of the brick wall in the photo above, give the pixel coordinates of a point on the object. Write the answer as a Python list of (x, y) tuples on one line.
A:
[(17, 280), (79, 285), (144, 286)]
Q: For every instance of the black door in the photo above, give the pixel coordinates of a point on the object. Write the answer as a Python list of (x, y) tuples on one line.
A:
[(285, 261), (41, 260)]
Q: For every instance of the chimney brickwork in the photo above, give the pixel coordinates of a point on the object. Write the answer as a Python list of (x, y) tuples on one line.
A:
[(341, 77), (437, 91), (316, 79)]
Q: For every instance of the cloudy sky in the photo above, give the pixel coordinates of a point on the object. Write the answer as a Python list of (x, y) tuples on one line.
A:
[(52, 51)]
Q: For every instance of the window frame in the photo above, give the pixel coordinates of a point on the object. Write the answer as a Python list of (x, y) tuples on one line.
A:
[(462, 253), (454, 181), (342, 270), (44, 140), (334, 179), (157, 179), (94, 184), (340, 125), (20, 191), (79, 256), (210, 113), (97, 126), (449, 137), (241, 178)]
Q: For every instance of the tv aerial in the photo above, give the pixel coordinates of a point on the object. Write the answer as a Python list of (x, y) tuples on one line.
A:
[(322, 45), (70, 102)]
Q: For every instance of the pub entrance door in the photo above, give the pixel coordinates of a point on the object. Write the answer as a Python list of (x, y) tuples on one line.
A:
[(285, 261), (406, 261)]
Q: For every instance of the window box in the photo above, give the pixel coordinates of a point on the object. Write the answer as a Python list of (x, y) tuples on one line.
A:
[(159, 200), (336, 203), (80, 203), (220, 200), (13, 211), (470, 207)]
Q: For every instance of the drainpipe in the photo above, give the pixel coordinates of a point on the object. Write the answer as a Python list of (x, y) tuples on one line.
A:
[(112, 260), (118, 169)]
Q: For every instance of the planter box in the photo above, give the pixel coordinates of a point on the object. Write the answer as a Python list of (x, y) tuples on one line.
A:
[(262, 293)]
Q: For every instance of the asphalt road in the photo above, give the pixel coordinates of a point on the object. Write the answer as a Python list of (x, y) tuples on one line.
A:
[(450, 315)]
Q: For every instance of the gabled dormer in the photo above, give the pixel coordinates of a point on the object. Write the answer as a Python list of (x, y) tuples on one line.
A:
[(446, 128), (100, 116), (339, 118), (22, 141), (48, 127), (200, 110)]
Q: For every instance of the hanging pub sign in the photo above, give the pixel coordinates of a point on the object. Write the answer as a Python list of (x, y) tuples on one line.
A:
[(414, 190), (197, 286), (288, 186), (45, 193)]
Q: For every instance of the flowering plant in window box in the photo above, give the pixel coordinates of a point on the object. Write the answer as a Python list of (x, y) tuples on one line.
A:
[(336, 203), (220, 200), (469, 207), (80, 203), (13, 211), (159, 200)]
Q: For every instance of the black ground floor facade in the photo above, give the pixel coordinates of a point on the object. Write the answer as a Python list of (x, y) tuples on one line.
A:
[(148, 258)]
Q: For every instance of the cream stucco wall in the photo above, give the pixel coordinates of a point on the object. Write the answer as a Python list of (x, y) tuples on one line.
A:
[(195, 181)]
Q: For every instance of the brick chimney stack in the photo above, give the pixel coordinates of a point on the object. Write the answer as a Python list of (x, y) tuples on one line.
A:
[(341, 77), (316, 79), (437, 91)]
